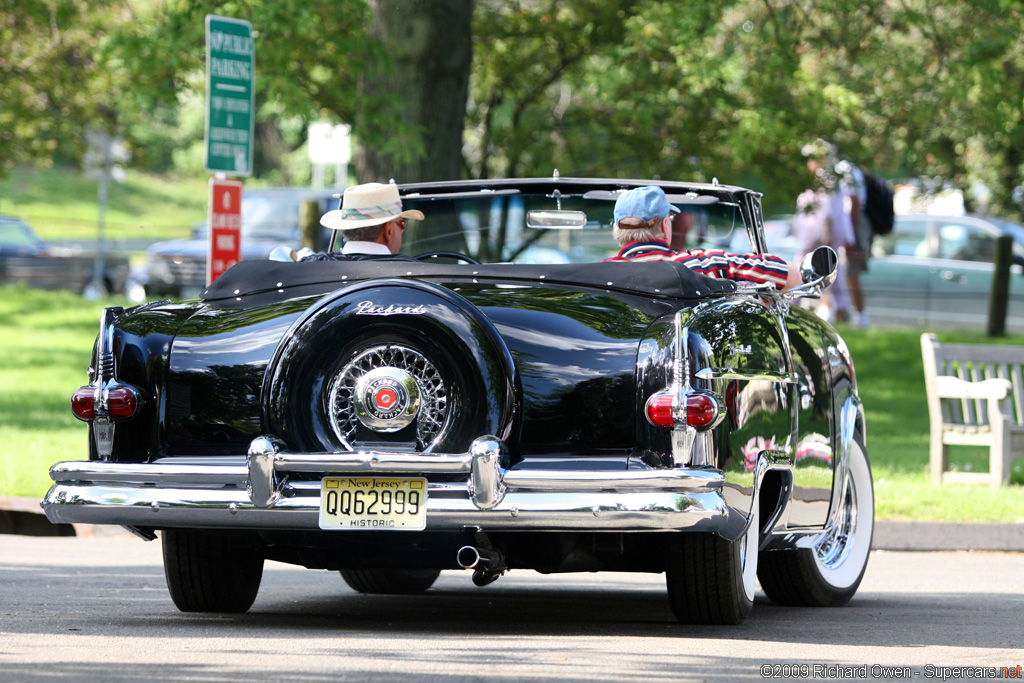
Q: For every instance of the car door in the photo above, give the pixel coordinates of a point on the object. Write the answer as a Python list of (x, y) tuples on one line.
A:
[(898, 283), (964, 270)]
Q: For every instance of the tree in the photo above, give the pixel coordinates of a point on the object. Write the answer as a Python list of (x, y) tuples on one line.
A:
[(639, 88), (308, 57), (425, 83), (397, 71), (52, 87), (527, 90)]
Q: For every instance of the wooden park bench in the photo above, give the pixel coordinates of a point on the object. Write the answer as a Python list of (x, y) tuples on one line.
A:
[(974, 399)]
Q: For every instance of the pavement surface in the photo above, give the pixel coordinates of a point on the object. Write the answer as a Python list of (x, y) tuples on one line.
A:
[(23, 516), (82, 610)]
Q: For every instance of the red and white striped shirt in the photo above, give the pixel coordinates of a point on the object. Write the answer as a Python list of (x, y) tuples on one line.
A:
[(716, 263)]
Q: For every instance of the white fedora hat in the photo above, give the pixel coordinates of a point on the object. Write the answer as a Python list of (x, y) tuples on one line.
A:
[(366, 205)]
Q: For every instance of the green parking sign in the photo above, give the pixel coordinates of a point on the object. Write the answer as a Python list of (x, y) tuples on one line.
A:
[(230, 70)]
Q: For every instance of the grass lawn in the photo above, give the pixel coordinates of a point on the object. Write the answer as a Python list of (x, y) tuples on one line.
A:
[(890, 379), (47, 340), (47, 343), (62, 204)]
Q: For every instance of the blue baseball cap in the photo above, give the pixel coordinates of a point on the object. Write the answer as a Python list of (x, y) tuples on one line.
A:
[(647, 204)]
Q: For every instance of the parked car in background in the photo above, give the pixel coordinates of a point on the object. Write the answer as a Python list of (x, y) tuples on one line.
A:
[(24, 257), (937, 272), (393, 419), (270, 219), (931, 271)]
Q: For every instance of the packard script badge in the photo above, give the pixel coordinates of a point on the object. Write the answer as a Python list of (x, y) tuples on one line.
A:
[(370, 308)]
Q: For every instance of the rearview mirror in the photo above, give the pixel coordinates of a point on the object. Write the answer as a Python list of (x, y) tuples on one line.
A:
[(556, 219)]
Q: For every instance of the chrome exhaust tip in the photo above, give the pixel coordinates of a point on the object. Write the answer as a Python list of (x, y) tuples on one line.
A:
[(487, 564)]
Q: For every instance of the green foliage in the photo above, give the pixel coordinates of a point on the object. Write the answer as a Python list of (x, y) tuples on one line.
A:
[(47, 339), (695, 90), (52, 84), (685, 89), (309, 55), (526, 57), (135, 68)]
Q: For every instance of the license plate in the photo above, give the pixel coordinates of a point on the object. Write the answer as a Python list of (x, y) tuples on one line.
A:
[(373, 503)]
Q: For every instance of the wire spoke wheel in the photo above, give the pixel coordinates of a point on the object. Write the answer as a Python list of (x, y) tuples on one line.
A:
[(433, 410)]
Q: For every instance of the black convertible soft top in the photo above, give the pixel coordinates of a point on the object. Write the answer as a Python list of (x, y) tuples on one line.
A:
[(278, 280)]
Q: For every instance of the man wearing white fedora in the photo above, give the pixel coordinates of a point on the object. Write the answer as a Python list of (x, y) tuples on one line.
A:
[(371, 221)]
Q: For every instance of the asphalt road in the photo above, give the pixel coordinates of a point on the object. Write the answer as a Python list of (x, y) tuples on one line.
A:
[(96, 609)]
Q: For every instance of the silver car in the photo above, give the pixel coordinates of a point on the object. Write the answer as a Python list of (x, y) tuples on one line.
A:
[(936, 272)]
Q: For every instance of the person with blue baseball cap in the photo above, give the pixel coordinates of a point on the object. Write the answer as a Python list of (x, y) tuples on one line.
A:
[(642, 226)]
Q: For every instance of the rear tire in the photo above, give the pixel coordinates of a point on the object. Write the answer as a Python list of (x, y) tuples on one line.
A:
[(390, 581), (210, 573), (829, 574), (711, 580)]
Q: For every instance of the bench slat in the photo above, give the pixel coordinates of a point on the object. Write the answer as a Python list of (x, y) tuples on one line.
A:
[(1018, 382)]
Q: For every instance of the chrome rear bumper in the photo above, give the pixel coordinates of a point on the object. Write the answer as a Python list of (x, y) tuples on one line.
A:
[(259, 492)]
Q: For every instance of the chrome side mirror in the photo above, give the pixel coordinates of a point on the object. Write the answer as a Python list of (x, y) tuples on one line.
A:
[(819, 267)]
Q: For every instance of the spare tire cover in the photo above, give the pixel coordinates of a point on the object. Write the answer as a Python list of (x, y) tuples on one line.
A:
[(390, 364)]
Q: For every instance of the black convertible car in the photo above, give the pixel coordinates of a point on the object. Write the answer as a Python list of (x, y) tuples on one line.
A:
[(391, 419)]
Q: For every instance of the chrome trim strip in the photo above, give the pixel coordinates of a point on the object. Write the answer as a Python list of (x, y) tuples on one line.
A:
[(103, 427), (375, 461), (729, 373), (683, 435), (166, 475), (149, 473)]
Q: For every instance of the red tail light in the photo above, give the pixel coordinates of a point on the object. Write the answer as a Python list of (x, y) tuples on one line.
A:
[(701, 410), (659, 410), (122, 402), (83, 403)]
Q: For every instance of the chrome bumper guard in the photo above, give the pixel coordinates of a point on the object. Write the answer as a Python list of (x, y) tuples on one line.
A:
[(258, 493)]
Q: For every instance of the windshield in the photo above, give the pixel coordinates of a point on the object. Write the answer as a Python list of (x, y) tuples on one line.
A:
[(273, 216), (270, 217), (493, 226)]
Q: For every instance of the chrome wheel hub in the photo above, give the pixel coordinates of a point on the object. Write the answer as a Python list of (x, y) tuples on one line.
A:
[(385, 389), (386, 399)]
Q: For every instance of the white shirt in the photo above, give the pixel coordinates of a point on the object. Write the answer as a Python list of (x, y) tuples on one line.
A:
[(809, 226), (839, 219), (852, 181), (373, 248)]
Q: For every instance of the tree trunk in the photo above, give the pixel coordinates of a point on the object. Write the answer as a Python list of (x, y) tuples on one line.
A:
[(426, 86)]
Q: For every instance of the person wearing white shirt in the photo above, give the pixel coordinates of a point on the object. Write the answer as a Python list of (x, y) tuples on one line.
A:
[(371, 221), (856, 254)]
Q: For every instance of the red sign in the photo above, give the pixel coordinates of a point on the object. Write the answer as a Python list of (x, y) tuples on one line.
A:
[(225, 227)]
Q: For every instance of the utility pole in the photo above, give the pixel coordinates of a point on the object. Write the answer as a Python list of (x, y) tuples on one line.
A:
[(99, 287)]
